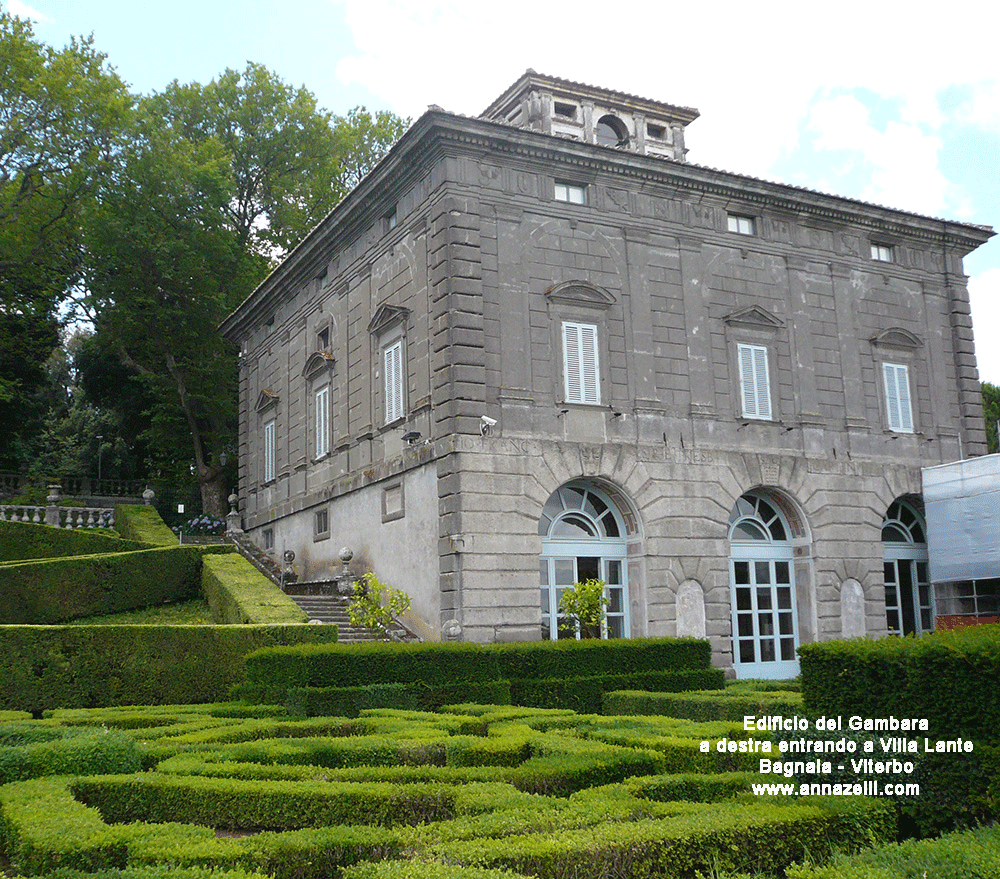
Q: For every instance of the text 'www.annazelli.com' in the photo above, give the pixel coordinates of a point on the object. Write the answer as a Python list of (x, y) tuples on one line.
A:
[(855, 789)]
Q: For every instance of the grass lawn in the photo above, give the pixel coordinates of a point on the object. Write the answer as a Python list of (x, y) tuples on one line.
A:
[(183, 613)]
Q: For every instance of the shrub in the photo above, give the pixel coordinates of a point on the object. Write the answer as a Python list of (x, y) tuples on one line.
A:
[(44, 667), (351, 701), (727, 704), (52, 591), (949, 678), (143, 523), (96, 751), (238, 593), (585, 604), (376, 605), (20, 541), (970, 855), (239, 805)]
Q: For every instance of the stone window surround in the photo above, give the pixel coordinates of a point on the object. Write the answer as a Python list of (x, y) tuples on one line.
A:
[(581, 302), (755, 326), (897, 347)]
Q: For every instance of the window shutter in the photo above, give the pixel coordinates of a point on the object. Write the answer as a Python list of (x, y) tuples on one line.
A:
[(755, 384), (394, 382), (581, 365), (897, 397), (269, 443), (322, 421)]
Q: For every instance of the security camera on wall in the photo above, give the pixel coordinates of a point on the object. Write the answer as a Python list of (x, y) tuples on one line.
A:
[(486, 425)]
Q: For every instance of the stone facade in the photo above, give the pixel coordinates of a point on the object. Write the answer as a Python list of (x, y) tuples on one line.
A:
[(666, 337)]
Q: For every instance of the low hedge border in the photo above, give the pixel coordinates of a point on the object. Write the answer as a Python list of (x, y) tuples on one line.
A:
[(234, 804), (757, 836), (973, 854), (73, 753), (351, 701), (237, 592), (704, 705), (45, 667), (443, 663), (22, 541)]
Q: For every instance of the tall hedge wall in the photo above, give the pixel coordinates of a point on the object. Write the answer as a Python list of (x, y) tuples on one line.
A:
[(21, 541), (437, 664), (143, 523), (52, 591), (238, 593), (45, 667), (950, 678)]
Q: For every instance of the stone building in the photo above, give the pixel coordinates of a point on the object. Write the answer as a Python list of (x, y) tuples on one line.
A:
[(539, 346)]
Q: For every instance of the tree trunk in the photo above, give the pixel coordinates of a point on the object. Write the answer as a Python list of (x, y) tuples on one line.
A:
[(213, 493)]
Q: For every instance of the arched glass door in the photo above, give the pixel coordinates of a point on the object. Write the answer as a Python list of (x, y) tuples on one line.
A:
[(909, 597), (583, 538), (762, 580)]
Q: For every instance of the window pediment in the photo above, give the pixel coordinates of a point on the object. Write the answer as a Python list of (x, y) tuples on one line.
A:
[(754, 316), (897, 337), (385, 317), (316, 363), (580, 293), (266, 399)]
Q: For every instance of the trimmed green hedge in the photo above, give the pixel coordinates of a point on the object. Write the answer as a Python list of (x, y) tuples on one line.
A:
[(20, 541), (949, 678), (351, 701), (73, 753), (728, 704), (52, 591), (143, 523), (235, 804), (586, 694), (974, 854), (436, 664), (43, 667), (238, 593), (745, 836)]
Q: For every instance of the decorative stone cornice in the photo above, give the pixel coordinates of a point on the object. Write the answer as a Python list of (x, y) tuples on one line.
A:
[(580, 293), (386, 316)]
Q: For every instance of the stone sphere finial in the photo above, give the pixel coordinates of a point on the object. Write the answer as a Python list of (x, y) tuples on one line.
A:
[(346, 554)]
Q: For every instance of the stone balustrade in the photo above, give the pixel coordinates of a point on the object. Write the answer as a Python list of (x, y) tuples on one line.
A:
[(59, 517)]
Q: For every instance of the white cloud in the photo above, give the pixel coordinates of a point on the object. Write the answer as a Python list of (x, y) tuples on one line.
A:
[(984, 294), (23, 10)]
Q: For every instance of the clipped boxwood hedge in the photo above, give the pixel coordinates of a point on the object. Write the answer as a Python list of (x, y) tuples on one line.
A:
[(949, 678), (44, 667), (729, 704), (143, 523), (20, 541), (438, 664), (351, 701), (52, 591), (238, 593)]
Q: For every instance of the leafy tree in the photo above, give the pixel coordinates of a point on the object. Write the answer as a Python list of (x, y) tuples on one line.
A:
[(362, 140), (63, 117), (991, 411), (375, 605), (222, 179), (585, 603)]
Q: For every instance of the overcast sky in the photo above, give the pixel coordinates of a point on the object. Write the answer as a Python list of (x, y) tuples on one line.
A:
[(879, 101)]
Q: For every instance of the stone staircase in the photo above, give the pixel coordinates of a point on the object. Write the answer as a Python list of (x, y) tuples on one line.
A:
[(315, 600)]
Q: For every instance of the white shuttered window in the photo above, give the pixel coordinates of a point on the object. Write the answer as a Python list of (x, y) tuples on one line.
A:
[(897, 397), (394, 382), (580, 363), (269, 451), (755, 384), (322, 421)]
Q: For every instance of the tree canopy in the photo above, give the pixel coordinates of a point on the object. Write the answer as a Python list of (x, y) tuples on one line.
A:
[(155, 215), (991, 411)]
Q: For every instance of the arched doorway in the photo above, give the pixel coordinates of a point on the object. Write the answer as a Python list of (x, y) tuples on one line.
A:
[(585, 534), (762, 582), (909, 597)]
